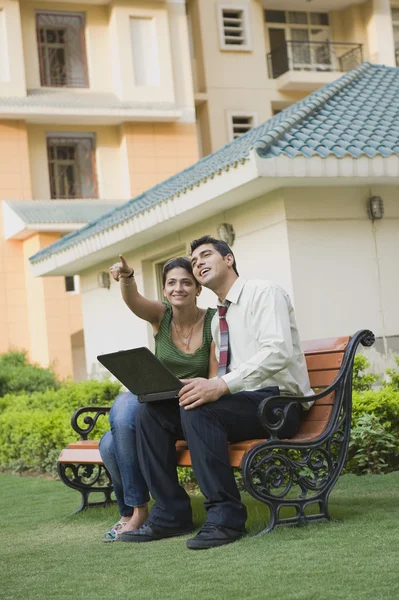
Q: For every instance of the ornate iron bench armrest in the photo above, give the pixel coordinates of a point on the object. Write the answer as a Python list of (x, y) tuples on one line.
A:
[(280, 415), (90, 421)]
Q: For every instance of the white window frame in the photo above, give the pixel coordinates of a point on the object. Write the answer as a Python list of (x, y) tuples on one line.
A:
[(247, 32), (4, 58), (239, 113)]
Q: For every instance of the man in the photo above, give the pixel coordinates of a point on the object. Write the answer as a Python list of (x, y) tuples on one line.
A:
[(256, 330)]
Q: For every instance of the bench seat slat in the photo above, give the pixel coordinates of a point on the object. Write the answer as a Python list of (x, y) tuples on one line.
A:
[(321, 379), (324, 362), (327, 345)]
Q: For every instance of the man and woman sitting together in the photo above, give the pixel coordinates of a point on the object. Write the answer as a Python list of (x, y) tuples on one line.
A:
[(229, 361)]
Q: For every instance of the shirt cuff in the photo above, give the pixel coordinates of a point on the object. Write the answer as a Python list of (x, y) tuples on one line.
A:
[(234, 382)]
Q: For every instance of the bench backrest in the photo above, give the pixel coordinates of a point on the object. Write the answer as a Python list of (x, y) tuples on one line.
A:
[(323, 359)]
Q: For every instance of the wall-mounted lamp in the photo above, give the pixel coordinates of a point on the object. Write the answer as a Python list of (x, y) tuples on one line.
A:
[(226, 233), (104, 280), (375, 207)]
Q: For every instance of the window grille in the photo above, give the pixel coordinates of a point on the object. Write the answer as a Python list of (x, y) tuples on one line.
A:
[(240, 124), (61, 46), (71, 167), (234, 29)]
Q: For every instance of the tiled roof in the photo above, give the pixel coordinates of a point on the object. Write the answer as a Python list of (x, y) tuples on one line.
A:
[(357, 115), (60, 211), (54, 99)]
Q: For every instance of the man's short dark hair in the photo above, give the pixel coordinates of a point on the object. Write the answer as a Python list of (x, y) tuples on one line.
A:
[(219, 245)]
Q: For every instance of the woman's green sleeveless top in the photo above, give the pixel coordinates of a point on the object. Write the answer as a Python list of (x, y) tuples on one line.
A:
[(182, 365)]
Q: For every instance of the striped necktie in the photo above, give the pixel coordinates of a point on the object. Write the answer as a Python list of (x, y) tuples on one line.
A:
[(224, 339)]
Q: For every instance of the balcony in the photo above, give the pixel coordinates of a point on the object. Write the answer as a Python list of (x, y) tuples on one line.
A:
[(306, 66)]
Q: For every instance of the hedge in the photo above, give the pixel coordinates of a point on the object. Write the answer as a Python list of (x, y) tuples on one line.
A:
[(35, 426)]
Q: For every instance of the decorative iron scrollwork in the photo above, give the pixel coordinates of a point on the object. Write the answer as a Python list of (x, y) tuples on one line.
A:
[(90, 421)]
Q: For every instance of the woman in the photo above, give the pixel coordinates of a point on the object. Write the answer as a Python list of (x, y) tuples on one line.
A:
[(183, 342)]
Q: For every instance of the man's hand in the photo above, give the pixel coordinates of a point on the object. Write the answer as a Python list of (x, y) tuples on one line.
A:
[(201, 391)]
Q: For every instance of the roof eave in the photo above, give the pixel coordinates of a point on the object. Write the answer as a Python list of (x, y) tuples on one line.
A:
[(230, 188)]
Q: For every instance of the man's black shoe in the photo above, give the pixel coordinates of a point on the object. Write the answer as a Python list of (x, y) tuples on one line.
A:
[(212, 536), (149, 532)]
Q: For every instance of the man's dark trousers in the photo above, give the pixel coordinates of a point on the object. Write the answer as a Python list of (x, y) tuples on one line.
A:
[(207, 430)]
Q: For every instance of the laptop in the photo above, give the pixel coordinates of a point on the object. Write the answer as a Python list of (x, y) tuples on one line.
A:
[(142, 373)]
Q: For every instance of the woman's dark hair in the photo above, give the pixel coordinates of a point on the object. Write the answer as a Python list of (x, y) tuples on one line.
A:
[(180, 262), (219, 245)]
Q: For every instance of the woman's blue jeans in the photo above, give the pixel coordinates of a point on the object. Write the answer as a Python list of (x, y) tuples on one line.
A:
[(119, 454)]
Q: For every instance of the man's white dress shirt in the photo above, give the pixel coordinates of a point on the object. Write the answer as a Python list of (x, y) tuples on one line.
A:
[(263, 339)]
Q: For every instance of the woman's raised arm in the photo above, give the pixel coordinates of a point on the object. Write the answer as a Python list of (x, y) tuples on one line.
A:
[(149, 310)]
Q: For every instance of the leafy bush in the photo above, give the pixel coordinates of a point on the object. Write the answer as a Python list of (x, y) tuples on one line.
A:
[(33, 429), (394, 376), (17, 375), (374, 444), (371, 446), (362, 381)]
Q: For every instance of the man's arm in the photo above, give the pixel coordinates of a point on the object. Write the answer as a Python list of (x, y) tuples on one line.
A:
[(271, 321)]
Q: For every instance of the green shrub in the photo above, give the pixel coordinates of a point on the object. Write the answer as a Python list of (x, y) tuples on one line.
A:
[(17, 375), (361, 380), (35, 428), (394, 376), (69, 397), (371, 447), (374, 444)]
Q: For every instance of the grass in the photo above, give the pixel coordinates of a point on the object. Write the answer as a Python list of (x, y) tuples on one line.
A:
[(45, 553)]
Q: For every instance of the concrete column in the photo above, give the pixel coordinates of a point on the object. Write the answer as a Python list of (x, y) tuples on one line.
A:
[(380, 33)]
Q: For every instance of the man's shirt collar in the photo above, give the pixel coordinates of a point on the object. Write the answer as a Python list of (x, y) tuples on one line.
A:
[(234, 292)]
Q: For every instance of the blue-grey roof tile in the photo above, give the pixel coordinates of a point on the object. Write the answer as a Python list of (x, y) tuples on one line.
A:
[(357, 115)]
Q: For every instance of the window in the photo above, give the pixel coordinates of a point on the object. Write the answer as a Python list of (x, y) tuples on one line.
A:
[(240, 123), (72, 284), (145, 52), (298, 40), (61, 46), (296, 17), (4, 65), (234, 28), (71, 166)]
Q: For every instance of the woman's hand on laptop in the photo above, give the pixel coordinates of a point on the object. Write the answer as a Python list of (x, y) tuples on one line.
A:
[(121, 270), (201, 391)]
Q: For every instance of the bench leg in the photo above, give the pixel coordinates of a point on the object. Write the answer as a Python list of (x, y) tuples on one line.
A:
[(87, 479)]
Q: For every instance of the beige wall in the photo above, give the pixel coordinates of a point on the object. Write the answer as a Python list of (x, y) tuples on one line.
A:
[(342, 262), (54, 315), (158, 150), (109, 154), (14, 185)]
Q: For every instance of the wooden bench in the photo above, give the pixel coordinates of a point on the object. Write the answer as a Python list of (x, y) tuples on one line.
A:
[(298, 473)]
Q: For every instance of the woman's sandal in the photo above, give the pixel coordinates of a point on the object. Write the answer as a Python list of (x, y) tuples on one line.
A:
[(114, 533)]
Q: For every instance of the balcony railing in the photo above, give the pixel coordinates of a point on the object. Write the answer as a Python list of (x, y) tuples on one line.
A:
[(313, 56)]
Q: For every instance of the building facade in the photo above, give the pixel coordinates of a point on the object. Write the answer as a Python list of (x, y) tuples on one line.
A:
[(96, 106), (312, 198), (253, 58)]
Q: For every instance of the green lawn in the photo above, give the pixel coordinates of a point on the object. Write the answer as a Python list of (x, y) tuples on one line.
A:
[(47, 554)]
